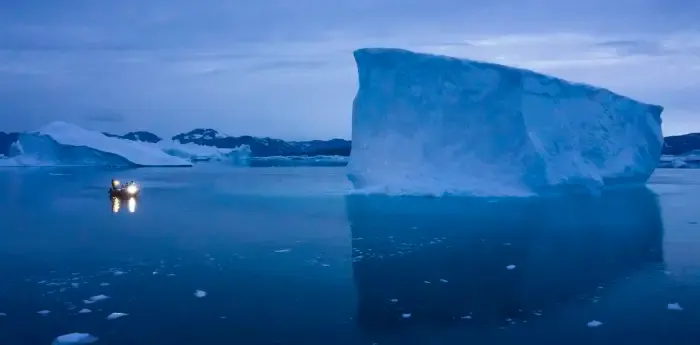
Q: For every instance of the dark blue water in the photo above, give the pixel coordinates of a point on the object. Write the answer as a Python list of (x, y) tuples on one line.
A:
[(286, 258)]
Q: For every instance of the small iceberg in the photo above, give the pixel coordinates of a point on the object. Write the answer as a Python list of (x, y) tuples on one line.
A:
[(43, 312), (84, 311), (674, 306), (406, 315), (200, 294), (74, 338), (510, 267), (114, 316)]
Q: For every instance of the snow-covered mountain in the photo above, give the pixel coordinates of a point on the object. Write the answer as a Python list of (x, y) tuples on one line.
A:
[(259, 147), (266, 147)]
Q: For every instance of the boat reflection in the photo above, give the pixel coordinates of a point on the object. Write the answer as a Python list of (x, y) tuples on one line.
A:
[(467, 262), (117, 204)]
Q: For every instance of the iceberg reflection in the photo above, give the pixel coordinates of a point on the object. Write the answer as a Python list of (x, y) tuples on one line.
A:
[(448, 260)]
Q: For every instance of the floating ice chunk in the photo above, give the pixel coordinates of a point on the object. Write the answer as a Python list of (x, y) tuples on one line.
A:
[(118, 273), (426, 282), (200, 293), (510, 267), (43, 312), (74, 338), (406, 315), (84, 311), (113, 316), (94, 299), (466, 317), (393, 300), (287, 250), (3, 314), (674, 306), (104, 284), (443, 280), (594, 323)]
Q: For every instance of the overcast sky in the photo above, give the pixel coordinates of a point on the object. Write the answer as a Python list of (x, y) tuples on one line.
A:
[(284, 68)]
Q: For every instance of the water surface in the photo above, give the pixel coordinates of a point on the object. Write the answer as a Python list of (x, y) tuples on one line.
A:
[(286, 257)]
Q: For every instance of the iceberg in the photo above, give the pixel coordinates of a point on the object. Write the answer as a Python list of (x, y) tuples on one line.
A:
[(238, 156), (428, 124), (689, 160), (61, 143), (299, 161)]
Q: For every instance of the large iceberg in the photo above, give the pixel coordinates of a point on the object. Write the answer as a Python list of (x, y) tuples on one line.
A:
[(61, 143), (428, 124)]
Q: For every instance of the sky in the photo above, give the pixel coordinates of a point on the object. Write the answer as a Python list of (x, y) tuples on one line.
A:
[(285, 69)]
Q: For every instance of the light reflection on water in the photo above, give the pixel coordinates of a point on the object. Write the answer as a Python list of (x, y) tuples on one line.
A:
[(117, 204)]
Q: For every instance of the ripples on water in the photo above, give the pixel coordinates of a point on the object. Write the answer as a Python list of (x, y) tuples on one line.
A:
[(198, 264)]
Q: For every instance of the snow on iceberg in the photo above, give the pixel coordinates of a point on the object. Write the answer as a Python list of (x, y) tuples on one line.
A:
[(60, 143), (428, 124)]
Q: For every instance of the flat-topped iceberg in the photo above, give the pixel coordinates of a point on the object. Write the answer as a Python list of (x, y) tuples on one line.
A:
[(427, 124)]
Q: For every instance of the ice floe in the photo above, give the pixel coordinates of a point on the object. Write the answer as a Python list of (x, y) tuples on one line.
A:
[(674, 306), (594, 323), (96, 298), (113, 316), (74, 338)]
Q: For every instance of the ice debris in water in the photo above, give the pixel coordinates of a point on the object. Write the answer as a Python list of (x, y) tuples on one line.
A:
[(94, 299), (594, 323), (510, 267), (406, 315), (104, 284), (118, 273), (200, 293), (74, 338), (3, 314), (43, 312), (113, 316), (283, 250), (674, 306), (393, 300), (443, 280), (84, 311)]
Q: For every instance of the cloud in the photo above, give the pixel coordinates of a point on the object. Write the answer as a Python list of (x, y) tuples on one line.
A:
[(280, 68)]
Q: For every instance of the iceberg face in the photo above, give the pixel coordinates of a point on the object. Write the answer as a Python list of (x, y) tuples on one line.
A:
[(60, 143), (427, 124)]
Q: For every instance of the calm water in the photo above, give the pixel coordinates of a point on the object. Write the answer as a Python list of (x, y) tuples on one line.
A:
[(285, 257)]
